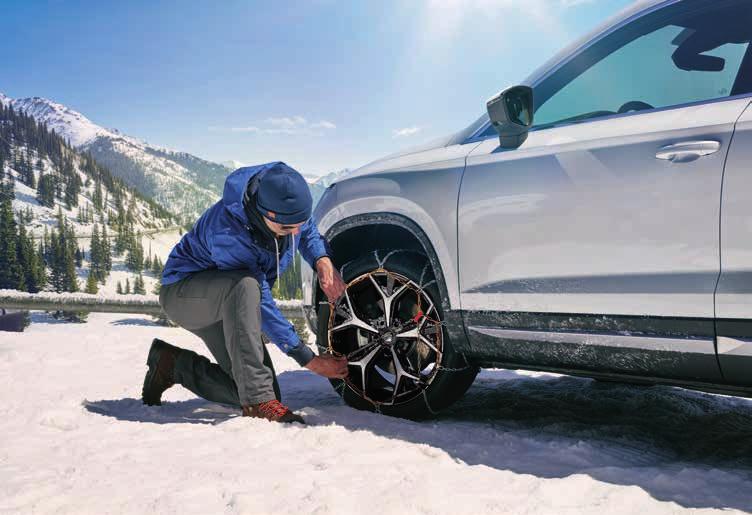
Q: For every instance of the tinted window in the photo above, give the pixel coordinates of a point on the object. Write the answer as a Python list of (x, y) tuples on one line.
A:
[(682, 54), (694, 51)]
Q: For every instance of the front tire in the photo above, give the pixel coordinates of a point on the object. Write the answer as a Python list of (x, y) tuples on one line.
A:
[(390, 326)]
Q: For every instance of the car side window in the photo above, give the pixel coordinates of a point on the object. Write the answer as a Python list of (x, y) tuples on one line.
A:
[(690, 52)]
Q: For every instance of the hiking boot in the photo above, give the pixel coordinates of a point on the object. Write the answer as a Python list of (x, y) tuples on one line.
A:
[(272, 410), (159, 377)]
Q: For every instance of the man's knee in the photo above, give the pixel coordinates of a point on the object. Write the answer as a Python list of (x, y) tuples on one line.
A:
[(249, 287)]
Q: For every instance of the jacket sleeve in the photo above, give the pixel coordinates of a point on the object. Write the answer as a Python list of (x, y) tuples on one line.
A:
[(279, 330), (312, 245)]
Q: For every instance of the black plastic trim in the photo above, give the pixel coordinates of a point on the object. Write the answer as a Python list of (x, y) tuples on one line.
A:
[(647, 325)]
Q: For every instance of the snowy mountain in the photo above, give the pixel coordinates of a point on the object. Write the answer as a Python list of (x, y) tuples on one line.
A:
[(47, 186), (180, 182), (319, 184), (232, 164)]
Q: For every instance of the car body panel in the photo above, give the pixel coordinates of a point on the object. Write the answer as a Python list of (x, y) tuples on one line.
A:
[(421, 186), (734, 294), (584, 219)]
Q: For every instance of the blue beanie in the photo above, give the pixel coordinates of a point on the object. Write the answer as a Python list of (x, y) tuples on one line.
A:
[(283, 195)]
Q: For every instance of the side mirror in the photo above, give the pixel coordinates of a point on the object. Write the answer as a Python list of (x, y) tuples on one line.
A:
[(511, 114)]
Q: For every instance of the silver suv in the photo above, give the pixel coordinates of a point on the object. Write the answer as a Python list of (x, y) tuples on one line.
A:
[(597, 221)]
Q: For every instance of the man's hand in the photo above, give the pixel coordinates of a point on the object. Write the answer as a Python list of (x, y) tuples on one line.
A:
[(329, 279), (329, 366)]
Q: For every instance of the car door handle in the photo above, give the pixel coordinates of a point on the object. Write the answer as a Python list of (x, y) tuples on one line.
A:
[(687, 151)]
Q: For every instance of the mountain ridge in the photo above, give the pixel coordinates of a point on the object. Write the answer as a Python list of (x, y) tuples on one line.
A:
[(181, 182)]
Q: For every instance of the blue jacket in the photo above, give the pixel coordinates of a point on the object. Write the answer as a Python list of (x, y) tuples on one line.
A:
[(223, 238)]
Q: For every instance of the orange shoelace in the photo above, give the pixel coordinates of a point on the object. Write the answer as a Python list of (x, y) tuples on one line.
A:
[(273, 409)]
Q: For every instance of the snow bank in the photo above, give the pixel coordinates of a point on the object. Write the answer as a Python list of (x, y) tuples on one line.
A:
[(76, 439), (87, 298)]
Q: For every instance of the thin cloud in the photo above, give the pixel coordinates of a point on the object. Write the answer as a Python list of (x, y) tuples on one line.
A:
[(285, 125), (407, 131), (286, 122), (323, 124)]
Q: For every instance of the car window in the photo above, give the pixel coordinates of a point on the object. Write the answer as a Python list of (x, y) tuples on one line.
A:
[(692, 51), (682, 54)]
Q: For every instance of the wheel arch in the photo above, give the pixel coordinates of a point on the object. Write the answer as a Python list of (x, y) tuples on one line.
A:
[(359, 234)]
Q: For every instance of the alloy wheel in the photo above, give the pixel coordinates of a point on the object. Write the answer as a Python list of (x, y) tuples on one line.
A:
[(389, 329)]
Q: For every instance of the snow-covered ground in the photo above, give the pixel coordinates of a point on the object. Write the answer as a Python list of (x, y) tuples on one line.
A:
[(76, 439)]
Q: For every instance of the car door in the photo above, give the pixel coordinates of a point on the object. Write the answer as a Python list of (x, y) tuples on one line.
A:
[(734, 295), (595, 244)]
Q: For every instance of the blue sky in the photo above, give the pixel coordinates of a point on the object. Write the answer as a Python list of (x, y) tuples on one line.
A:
[(322, 85)]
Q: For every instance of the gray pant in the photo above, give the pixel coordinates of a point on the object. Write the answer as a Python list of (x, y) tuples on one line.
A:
[(222, 307)]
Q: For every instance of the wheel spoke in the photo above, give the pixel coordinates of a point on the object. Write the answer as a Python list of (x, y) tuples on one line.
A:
[(388, 297), (400, 373), (363, 362), (354, 321), (414, 333)]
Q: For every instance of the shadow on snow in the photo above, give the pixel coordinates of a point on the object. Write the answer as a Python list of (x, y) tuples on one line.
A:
[(194, 411), (691, 448)]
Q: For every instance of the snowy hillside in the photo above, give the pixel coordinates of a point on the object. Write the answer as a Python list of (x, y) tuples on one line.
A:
[(146, 220), (516, 443), (158, 235), (64, 217), (232, 164), (319, 184), (180, 182)]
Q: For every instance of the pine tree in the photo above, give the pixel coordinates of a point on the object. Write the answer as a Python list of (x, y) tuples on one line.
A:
[(119, 288), (10, 272), (46, 246), (147, 262), (25, 172), (95, 256), (105, 250), (157, 266), (97, 197), (41, 271), (62, 245), (134, 261), (139, 287), (46, 190), (27, 262), (127, 286), (91, 283), (57, 280), (72, 185), (7, 188), (79, 258)]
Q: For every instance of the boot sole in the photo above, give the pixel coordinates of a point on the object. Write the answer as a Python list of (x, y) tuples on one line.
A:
[(151, 362)]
